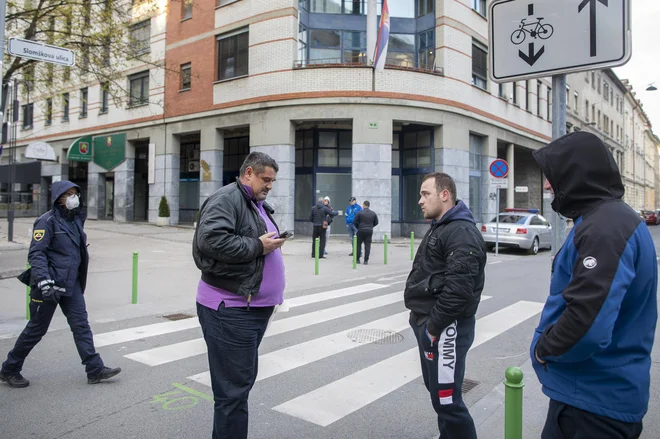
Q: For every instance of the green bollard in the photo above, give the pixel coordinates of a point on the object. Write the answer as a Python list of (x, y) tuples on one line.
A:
[(317, 244), (412, 245), (27, 298), (513, 403), (354, 252), (135, 277), (385, 255)]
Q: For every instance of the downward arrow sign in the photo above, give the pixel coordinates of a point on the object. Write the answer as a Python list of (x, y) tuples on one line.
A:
[(532, 57)]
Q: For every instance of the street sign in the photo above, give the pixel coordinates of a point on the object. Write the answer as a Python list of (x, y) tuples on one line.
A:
[(80, 150), (499, 170), (522, 189), (41, 52), (40, 151), (538, 38)]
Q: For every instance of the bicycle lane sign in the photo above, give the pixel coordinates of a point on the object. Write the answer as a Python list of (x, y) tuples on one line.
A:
[(539, 38)]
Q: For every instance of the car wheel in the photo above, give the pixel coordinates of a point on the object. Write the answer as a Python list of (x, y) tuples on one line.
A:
[(534, 249)]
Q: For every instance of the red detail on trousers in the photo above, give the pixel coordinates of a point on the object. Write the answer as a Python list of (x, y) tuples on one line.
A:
[(445, 393)]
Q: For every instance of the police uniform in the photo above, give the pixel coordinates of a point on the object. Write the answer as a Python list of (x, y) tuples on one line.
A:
[(59, 260)]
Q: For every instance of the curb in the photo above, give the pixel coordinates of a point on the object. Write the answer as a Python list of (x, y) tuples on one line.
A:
[(10, 274)]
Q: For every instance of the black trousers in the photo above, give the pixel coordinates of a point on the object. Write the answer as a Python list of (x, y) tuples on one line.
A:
[(364, 236), (41, 314), (319, 232), (232, 336), (443, 368), (568, 422)]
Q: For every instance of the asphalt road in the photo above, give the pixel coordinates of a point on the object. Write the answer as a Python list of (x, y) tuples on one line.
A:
[(318, 378)]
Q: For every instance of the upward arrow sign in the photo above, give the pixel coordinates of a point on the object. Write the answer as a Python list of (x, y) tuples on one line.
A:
[(592, 20)]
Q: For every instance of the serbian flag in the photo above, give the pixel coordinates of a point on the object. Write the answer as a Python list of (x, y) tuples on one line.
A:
[(383, 38)]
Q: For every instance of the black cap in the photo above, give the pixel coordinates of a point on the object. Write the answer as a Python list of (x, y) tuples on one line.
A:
[(352, 199)]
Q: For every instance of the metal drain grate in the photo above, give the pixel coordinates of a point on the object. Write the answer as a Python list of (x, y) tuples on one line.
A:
[(469, 385), (376, 336), (179, 316)]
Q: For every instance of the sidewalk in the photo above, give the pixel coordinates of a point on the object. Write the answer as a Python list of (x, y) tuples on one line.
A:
[(168, 277)]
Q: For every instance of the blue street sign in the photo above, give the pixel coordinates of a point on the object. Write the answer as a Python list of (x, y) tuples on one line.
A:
[(499, 168)]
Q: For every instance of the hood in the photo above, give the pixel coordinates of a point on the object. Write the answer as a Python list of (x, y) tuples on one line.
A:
[(320, 204), (59, 188), (459, 212), (581, 171)]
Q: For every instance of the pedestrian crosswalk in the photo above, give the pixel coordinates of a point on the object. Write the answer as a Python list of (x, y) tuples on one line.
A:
[(330, 401)]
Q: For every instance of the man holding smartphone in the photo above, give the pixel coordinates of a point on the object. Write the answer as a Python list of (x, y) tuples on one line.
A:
[(237, 248)]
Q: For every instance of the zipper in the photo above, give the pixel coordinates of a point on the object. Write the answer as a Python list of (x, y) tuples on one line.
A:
[(249, 297)]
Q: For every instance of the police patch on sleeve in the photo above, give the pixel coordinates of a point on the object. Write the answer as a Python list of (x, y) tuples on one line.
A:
[(38, 235)]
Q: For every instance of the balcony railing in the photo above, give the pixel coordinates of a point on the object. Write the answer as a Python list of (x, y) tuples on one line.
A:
[(360, 61)]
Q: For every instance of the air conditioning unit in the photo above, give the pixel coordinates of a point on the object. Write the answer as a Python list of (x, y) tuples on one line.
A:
[(193, 166)]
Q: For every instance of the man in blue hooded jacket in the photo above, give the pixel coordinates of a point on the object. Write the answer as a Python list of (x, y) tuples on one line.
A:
[(592, 348), (59, 260), (443, 292)]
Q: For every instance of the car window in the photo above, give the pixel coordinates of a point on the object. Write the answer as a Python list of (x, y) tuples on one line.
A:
[(510, 219), (536, 221)]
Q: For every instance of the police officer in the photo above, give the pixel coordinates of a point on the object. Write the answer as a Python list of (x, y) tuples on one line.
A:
[(59, 260)]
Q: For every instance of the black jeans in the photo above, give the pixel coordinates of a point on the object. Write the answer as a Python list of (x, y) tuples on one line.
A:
[(364, 236), (568, 422), (41, 314), (319, 232), (232, 336), (443, 372)]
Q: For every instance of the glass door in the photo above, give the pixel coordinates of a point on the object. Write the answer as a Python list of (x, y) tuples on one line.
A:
[(109, 197), (338, 188)]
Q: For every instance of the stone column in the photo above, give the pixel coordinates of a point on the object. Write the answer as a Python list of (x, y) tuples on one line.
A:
[(124, 198), (95, 191), (167, 174), (452, 154), (372, 169), (276, 137), (489, 205), (510, 159), (211, 161)]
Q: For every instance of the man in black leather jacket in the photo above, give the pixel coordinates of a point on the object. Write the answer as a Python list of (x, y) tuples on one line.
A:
[(443, 292), (237, 248)]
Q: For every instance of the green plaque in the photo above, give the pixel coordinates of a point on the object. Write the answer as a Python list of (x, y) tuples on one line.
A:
[(80, 150), (110, 151)]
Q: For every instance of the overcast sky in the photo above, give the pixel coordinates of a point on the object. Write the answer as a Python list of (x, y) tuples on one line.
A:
[(644, 66)]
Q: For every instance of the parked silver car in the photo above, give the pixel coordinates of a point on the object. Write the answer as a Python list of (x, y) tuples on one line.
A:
[(519, 228)]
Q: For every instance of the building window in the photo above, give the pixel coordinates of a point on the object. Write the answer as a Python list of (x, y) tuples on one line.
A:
[(304, 149), (586, 109), (227, 2), (326, 6), (424, 7), (415, 159), (302, 4), (549, 104), (65, 107), (479, 65), (104, 97), (355, 47), (186, 78), (49, 111), (479, 6), (235, 151), (233, 55), (401, 50), (593, 80), (500, 90), (187, 11), (606, 91), (426, 50), (302, 45), (139, 89), (476, 154), (611, 96), (599, 86), (83, 101), (28, 113), (335, 149), (576, 102), (325, 46), (538, 98), (528, 88), (593, 112), (140, 35)]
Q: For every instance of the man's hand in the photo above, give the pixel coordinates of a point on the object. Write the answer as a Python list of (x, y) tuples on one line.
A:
[(269, 243), (537, 357), (50, 292)]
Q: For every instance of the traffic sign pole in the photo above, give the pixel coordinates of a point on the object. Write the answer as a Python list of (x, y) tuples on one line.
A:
[(497, 222), (558, 130)]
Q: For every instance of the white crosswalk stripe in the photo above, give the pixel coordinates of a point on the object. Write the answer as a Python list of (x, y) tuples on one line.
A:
[(335, 400)]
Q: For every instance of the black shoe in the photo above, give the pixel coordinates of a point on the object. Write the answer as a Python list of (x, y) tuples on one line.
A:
[(366, 262), (104, 375), (15, 380), (358, 262)]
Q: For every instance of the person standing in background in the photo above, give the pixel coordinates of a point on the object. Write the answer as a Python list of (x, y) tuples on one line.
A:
[(352, 210), (365, 221), (328, 219), (318, 217)]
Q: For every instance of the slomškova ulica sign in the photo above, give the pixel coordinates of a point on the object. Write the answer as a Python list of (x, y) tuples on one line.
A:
[(41, 52)]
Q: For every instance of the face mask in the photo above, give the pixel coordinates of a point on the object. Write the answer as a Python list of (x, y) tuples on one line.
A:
[(72, 202)]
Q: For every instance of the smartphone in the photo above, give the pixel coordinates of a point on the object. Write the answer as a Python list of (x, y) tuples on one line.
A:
[(286, 235)]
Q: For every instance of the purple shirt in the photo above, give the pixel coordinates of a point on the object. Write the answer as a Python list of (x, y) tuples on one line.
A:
[(271, 291)]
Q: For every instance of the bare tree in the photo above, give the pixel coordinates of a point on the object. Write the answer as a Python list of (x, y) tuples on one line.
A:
[(109, 37)]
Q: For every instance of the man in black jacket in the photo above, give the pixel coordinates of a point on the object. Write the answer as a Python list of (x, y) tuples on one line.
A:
[(319, 217), (364, 222), (443, 292), (59, 260), (237, 248)]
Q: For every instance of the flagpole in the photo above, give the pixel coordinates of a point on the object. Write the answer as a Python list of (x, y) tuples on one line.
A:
[(372, 30)]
